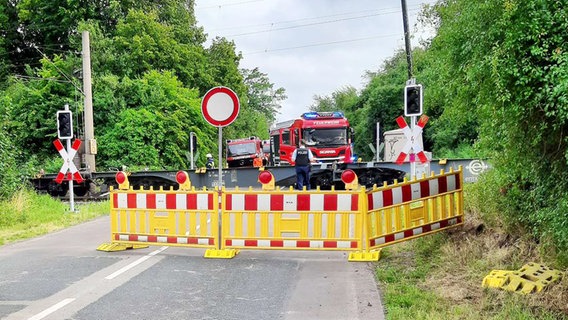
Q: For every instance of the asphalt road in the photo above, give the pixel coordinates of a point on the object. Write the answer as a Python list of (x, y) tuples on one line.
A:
[(62, 276)]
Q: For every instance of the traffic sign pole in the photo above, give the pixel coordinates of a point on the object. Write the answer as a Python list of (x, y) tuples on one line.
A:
[(191, 147), (220, 107), (71, 195), (68, 166), (411, 154)]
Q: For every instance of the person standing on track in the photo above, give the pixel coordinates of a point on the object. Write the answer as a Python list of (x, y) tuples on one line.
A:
[(210, 164), (302, 158)]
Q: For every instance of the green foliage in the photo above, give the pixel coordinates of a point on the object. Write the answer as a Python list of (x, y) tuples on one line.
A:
[(153, 128), (262, 97), (143, 43), (26, 214), (380, 101), (342, 99), (502, 72), (142, 116), (9, 173)]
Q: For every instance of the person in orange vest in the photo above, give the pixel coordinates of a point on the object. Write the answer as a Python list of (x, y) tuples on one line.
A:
[(257, 162)]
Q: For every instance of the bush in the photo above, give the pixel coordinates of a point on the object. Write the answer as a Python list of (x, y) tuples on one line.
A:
[(536, 207), (10, 180)]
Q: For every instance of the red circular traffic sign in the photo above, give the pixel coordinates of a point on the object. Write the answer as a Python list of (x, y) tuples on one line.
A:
[(220, 106)]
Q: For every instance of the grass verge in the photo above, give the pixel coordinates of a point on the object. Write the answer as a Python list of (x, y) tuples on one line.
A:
[(439, 277), (28, 215)]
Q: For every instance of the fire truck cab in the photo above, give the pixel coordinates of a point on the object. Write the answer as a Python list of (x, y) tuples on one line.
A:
[(246, 152), (327, 134)]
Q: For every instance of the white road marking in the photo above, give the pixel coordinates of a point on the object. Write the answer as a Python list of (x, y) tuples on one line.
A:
[(52, 309), (135, 263)]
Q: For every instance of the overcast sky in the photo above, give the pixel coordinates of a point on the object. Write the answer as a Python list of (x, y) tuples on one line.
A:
[(311, 47)]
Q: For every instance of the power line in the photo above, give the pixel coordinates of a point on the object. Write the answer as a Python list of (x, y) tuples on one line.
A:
[(227, 5), (322, 44), (379, 12), (18, 76), (60, 71), (304, 25), (383, 12)]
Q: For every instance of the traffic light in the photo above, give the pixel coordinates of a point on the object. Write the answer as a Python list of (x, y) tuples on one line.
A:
[(193, 143), (413, 100), (64, 124)]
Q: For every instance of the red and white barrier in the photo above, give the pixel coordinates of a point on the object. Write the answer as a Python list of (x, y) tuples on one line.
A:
[(166, 201), (292, 202), (163, 239), (413, 191), (292, 244), (415, 232)]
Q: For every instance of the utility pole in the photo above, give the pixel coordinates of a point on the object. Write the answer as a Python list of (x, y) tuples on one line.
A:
[(90, 142), (407, 38), (411, 80)]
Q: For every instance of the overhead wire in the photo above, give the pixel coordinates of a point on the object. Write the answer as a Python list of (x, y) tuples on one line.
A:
[(304, 25), (347, 16), (322, 44), (310, 18), (59, 70)]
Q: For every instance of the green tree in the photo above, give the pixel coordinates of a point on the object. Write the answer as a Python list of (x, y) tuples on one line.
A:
[(501, 69), (342, 99), (143, 43), (41, 95), (153, 130), (262, 97), (381, 101)]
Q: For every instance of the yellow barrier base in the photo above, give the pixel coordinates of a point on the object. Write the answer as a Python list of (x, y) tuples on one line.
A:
[(112, 246), (362, 256), (530, 278), (220, 254)]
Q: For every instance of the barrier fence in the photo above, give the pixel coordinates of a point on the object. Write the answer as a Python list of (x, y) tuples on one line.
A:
[(412, 209), (163, 217), (223, 222), (292, 219)]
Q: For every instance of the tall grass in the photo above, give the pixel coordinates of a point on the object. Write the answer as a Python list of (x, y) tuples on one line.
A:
[(27, 214)]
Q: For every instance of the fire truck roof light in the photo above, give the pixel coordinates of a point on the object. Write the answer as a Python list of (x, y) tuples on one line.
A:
[(319, 115)]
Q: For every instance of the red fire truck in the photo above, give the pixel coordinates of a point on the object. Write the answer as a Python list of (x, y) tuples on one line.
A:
[(246, 152), (327, 134)]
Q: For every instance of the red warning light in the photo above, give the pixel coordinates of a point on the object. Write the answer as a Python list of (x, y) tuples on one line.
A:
[(348, 176), (120, 177), (265, 177), (181, 177)]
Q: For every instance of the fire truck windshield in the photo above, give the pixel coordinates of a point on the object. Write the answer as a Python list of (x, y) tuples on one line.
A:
[(325, 137), (241, 149)]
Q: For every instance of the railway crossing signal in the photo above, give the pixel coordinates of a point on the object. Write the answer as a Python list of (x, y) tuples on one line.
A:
[(68, 164), (413, 100), (412, 138), (64, 124)]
